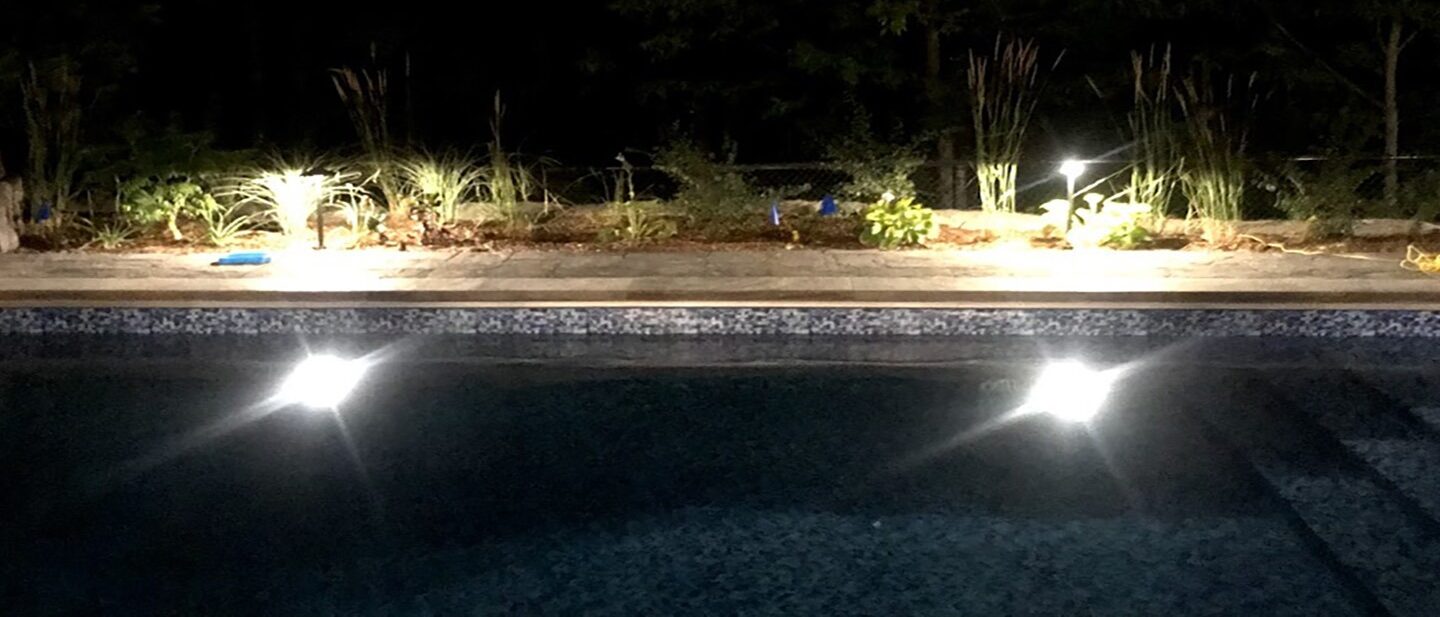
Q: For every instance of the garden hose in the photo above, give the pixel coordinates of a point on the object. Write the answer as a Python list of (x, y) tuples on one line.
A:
[(1420, 261)]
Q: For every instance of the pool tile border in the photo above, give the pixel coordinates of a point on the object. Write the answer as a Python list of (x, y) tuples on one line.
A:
[(827, 321)]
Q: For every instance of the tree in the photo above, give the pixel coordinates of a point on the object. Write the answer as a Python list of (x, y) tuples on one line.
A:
[(1396, 23)]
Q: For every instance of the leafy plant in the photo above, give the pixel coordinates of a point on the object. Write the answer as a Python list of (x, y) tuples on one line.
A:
[(109, 235), (155, 200), (441, 182), (291, 194), (638, 223), (710, 193), (361, 215), (875, 168), (1328, 197), (1002, 100), (1100, 222), (224, 224), (894, 223)]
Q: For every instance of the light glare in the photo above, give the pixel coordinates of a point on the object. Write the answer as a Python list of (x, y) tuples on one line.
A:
[(322, 381), (1070, 391), (1072, 169)]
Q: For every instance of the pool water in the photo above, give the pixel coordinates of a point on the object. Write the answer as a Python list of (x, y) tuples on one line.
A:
[(615, 478)]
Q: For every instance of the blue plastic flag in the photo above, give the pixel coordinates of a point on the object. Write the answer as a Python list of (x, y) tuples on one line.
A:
[(828, 207), (775, 213), (44, 213)]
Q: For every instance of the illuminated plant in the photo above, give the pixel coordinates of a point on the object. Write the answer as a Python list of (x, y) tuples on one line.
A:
[(894, 223), (1155, 161), (1214, 178), (366, 96), (506, 182), (1002, 99), (291, 195), (1100, 222), (441, 182), (225, 224), (152, 201)]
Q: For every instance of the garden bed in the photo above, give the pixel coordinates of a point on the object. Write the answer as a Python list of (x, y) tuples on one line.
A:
[(586, 229)]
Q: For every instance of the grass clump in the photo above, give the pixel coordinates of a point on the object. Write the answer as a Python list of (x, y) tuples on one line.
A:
[(1002, 99), (1214, 177), (442, 182), (710, 194)]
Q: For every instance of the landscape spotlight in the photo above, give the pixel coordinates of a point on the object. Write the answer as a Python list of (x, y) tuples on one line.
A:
[(1072, 169), (322, 381), (1070, 391)]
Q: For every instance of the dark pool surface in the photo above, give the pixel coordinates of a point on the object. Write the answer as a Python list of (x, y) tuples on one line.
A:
[(504, 485)]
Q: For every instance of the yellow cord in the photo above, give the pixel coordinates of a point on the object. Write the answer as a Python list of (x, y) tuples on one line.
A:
[(1420, 261)]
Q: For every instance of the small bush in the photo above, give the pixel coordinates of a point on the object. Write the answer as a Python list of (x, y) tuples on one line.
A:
[(1329, 197), (155, 200), (895, 223), (1100, 223), (709, 193)]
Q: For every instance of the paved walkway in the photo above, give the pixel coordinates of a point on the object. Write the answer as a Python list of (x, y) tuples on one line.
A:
[(970, 278)]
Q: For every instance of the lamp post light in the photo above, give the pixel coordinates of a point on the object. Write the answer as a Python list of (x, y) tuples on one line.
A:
[(1072, 170)]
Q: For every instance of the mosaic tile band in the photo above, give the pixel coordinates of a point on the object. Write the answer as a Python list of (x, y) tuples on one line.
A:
[(722, 321)]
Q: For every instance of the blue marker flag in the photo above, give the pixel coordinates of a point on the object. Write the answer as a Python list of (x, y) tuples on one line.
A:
[(775, 213), (828, 207)]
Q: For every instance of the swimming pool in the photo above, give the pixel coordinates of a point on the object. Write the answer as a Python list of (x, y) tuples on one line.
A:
[(717, 475)]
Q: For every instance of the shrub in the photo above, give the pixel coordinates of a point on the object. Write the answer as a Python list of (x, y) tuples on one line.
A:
[(875, 168), (154, 200), (290, 194), (895, 223), (709, 192), (1329, 197), (1100, 223)]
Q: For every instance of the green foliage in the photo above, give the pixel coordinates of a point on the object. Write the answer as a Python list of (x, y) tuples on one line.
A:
[(710, 193), (110, 235), (898, 223), (1100, 223), (1155, 163), (875, 167), (51, 96), (506, 182), (289, 193), (1002, 99), (638, 223), (441, 182), (1216, 117), (1328, 197), (224, 224), (366, 98), (155, 200)]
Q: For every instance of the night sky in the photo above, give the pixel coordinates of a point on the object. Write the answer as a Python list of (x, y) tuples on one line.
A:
[(774, 81)]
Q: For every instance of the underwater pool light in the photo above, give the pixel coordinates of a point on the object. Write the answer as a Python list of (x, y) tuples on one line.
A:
[(1070, 391), (322, 381)]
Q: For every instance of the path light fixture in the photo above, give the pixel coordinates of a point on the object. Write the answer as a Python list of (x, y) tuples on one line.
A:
[(1072, 170)]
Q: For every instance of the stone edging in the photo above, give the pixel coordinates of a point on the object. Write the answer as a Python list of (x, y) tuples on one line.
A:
[(1187, 322)]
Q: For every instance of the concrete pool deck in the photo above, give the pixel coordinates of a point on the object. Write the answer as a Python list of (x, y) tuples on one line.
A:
[(968, 278)]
